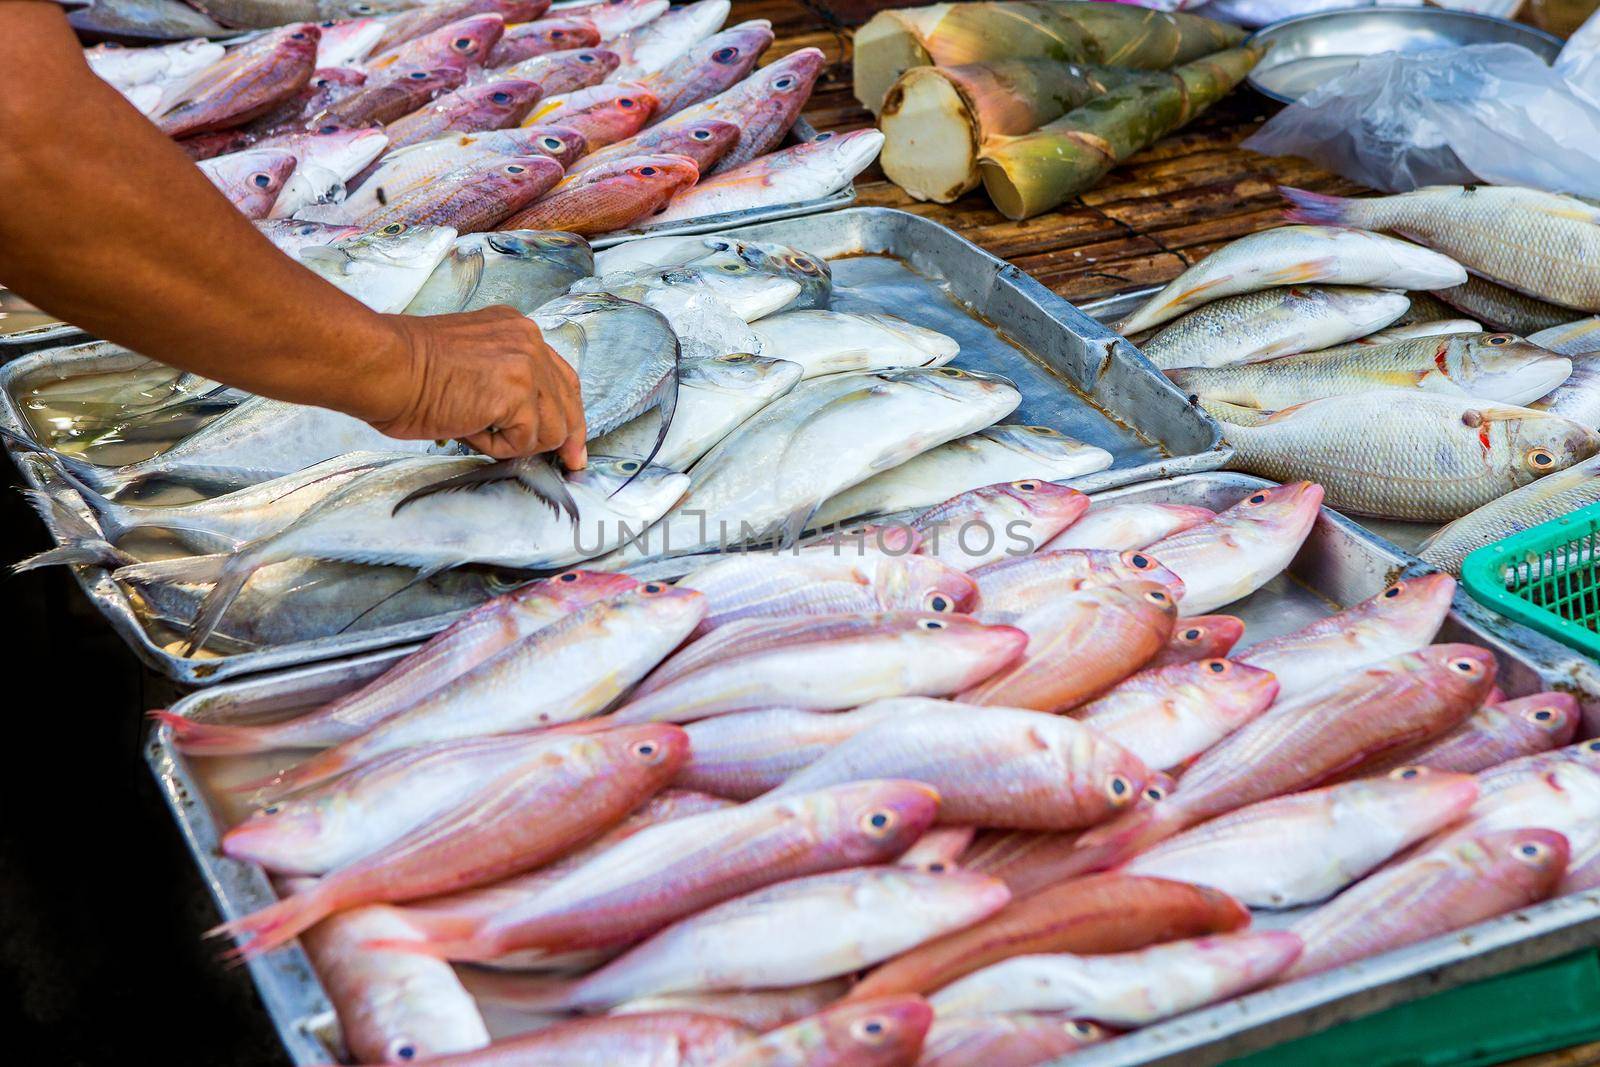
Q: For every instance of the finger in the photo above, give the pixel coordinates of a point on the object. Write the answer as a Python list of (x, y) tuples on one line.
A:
[(552, 428), (491, 444), (574, 453)]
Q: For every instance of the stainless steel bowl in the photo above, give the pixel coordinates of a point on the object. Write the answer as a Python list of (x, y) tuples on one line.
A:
[(1308, 51)]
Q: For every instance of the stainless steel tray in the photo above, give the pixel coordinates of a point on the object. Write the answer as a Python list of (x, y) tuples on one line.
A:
[(1339, 565), (1075, 376)]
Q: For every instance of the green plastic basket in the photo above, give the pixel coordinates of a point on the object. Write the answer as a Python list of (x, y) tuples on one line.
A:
[(1547, 578)]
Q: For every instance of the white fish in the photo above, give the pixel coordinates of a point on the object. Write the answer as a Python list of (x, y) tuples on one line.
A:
[(327, 161), (808, 171), (1573, 339), (657, 43), (384, 269), (1272, 322), (828, 342), (346, 42)]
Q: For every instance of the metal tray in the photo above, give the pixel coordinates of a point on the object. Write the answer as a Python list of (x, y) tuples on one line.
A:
[(1339, 565), (1075, 376)]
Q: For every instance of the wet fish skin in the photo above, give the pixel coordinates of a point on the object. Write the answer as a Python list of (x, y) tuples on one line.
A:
[(593, 781), (811, 273), (479, 195), (1446, 457), (761, 1010), (705, 142), (246, 82), (1120, 527), (1012, 587), (383, 267), (671, 1038), (661, 41), (625, 354), (467, 40), (745, 754), (804, 172), (346, 42), (523, 269), (1433, 893), (403, 170), (965, 531), (1403, 617), (1170, 715), (881, 1033), (252, 179), (1495, 733), (391, 94), (327, 160), (1201, 637), (571, 108), (1578, 398), (1272, 322), (708, 67), (1127, 989), (828, 342), (390, 1004), (1502, 308), (1574, 338), (527, 40), (558, 72), (666, 872), (611, 202), (1093, 915), (855, 918), (1320, 841), (470, 109), (1006, 1039), (764, 105), (1297, 255), (1535, 242), (1521, 509), (1496, 367), (746, 291), (828, 662), (999, 767)]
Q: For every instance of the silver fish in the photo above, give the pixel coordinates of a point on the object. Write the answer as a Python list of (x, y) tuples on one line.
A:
[(828, 342), (746, 291), (1502, 308), (1272, 322), (1521, 509), (1571, 339), (810, 272), (382, 268), (523, 269), (625, 354), (1577, 398), (649, 48)]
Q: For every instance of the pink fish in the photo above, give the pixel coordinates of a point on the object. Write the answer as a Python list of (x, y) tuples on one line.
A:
[(1320, 841), (763, 105), (249, 81), (468, 39), (705, 142), (939, 850), (387, 96), (609, 201), (515, 822), (660, 1039), (759, 1009), (616, 17), (490, 106), (749, 752), (1006, 1039), (1170, 715), (886, 1032), (476, 196), (1201, 637), (559, 72), (1495, 733), (1403, 617), (708, 68), (1035, 508), (1437, 892), (1011, 587), (999, 767), (251, 179), (1118, 527), (526, 40)]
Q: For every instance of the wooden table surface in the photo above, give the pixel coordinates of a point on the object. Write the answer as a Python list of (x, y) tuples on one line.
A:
[(1150, 218)]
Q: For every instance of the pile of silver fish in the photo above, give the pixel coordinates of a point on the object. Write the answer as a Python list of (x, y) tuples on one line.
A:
[(1455, 380), (891, 800), (419, 125), (713, 375)]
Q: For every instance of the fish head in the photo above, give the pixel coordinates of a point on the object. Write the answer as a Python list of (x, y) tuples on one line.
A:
[(741, 372), (1462, 673), (1503, 367), (296, 42), (649, 751), (1528, 861), (880, 1032), (974, 387), (254, 174), (922, 583), (749, 292), (561, 143), (591, 59), (1276, 512), (397, 245), (1367, 310), (323, 77), (339, 148), (566, 252), (502, 102), (845, 153), (1134, 565), (279, 836), (635, 493), (470, 39), (1532, 443), (985, 648), (515, 179), (1051, 449), (787, 82), (1207, 635), (575, 589), (724, 58), (1234, 692), (556, 34), (704, 141), (1413, 607), (871, 821), (1548, 720), (348, 41), (613, 120), (1412, 795), (292, 234)]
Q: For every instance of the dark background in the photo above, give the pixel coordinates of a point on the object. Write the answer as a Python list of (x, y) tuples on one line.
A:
[(101, 910)]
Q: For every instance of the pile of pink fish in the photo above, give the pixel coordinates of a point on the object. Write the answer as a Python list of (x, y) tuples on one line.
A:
[(485, 114), (879, 802)]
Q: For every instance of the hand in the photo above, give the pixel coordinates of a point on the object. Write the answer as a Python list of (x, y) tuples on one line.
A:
[(487, 378)]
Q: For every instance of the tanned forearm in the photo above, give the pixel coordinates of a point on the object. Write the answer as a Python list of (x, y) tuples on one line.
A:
[(107, 224)]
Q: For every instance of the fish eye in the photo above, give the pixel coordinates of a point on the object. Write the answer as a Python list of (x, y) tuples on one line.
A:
[(325, 23), (1394, 590), (1194, 633), (1138, 561), (402, 1050), (936, 867), (1470, 667), (330, 128), (261, 181), (1043, 431), (929, 624), (500, 97), (271, 809), (1217, 666), (1406, 774), (362, 9), (1257, 498), (515, 168), (556, 35), (1119, 789), (321, 83), (653, 588), (628, 466), (1498, 339), (870, 1031), (1544, 716), (1592, 746), (569, 577), (461, 44), (417, 75), (1080, 1029), (648, 751), (701, 135), (297, 36), (1156, 596), (1026, 487), (737, 357), (627, 101), (878, 823), (784, 82), (1155, 792), (394, 229), (938, 602), (1533, 853), (647, 172), (725, 55), (819, 138), (1541, 458)]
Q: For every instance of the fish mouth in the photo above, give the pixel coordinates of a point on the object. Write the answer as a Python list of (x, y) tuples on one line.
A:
[(1528, 382)]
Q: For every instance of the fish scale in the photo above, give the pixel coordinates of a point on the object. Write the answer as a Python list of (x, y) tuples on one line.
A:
[(1502, 308), (1546, 499), (473, 197), (1272, 322)]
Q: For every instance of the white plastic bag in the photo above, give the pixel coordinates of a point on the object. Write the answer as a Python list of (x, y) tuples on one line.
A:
[(1579, 61), (1490, 113)]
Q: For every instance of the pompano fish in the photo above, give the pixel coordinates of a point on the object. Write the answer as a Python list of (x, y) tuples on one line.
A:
[(1502, 308), (708, 67), (761, 1010), (558, 72), (658, 1038), (1112, 524), (744, 290), (761, 483), (965, 531), (467, 40), (527, 40), (630, 193), (705, 142), (346, 42), (1534, 242), (1320, 841), (661, 41), (992, 766), (1272, 322), (625, 354), (1298, 744), (760, 585), (470, 109), (1496, 733), (1200, 637), (1497, 367), (523, 269), (587, 782), (812, 273), (1578, 398), (882, 1033), (1436, 892), (1404, 617), (1126, 988), (1028, 582), (246, 82), (1521, 509), (665, 872), (1570, 339), (1098, 914), (715, 395), (400, 171), (1004, 452), (1297, 255), (1170, 715), (392, 94), (252, 179), (854, 918), (384, 266), (391, 1006), (481, 634), (1446, 457), (809, 171), (1081, 645), (442, 530), (827, 342), (764, 105), (478, 195), (823, 663), (1243, 548), (1006, 1039)]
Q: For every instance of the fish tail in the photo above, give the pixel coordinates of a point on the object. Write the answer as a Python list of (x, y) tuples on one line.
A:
[(448, 938), (230, 582), (213, 738), (277, 924), (524, 992), (1315, 209), (80, 542), (105, 479)]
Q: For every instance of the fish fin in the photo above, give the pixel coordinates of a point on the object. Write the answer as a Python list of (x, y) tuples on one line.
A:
[(319, 768), (1315, 209), (524, 992), (231, 579), (422, 575), (103, 478), (276, 924), (80, 541), (665, 402), (1116, 842), (463, 274), (323, 256), (1307, 270), (532, 474), (213, 738), (194, 570)]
